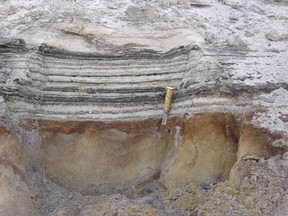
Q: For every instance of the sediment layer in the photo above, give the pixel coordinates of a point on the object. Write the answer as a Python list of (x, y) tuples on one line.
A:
[(45, 82)]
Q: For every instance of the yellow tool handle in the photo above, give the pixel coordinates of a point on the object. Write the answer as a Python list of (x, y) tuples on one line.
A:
[(168, 99)]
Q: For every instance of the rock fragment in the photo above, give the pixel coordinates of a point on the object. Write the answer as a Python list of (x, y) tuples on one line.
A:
[(118, 205), (140, 13), (276, 35), (235, 4), (184, 3), (236, 42)]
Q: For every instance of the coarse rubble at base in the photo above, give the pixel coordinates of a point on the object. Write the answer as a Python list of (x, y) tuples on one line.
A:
[(260, 188)]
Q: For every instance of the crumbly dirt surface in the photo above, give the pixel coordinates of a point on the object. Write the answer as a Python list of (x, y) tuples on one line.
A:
[(261, 189)]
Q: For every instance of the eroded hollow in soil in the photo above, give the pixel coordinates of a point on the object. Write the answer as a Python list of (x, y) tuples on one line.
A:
[(97, 157), (183, 166)]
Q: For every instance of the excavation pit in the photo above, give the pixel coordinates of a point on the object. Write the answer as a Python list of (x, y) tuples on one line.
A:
[(179, 166), (96, 157)]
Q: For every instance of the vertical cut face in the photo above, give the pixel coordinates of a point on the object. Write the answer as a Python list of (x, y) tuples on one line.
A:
[(95, 157), (207, 152)]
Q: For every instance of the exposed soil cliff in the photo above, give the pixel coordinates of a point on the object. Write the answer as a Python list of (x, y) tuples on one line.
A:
[(82, 86)]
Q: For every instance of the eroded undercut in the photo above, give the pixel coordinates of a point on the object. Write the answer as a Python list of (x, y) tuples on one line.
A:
[(190, 159), (95, 157)]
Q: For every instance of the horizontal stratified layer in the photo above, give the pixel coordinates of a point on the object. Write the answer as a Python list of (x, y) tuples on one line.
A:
[(46, 82), (41, 80)]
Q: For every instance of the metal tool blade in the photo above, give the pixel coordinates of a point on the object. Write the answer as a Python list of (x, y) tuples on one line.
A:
[(164, 118)]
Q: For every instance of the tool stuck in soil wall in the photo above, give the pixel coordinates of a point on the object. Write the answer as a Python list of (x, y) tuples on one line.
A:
[(167, 104)]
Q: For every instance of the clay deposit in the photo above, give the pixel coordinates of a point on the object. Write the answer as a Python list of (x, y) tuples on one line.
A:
[(82, 87)]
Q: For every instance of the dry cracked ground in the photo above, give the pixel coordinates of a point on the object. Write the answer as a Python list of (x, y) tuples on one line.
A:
[(82, 86)]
